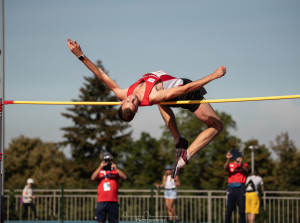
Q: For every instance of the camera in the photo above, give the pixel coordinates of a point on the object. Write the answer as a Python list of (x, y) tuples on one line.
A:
[(108, 165), (107, 159)]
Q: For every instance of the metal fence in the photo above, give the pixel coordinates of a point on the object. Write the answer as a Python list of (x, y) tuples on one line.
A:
[(148, 205)]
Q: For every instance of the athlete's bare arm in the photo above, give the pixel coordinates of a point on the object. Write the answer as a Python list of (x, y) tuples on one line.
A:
[(111, 84), (158, 96)]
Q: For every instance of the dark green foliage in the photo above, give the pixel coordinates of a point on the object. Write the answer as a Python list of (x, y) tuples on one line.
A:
[(287, 167), (32, 158)]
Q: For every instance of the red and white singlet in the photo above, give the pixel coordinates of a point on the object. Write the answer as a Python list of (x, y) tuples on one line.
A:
[(150, 80)]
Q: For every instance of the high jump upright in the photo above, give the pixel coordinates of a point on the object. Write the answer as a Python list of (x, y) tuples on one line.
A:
[(2, 117)]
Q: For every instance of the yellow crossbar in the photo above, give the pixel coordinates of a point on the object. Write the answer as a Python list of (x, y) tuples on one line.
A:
[(162, 103), (65, 103), (233, 100)]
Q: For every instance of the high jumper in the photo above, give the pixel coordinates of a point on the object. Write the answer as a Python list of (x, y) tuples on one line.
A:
[(156, 87)]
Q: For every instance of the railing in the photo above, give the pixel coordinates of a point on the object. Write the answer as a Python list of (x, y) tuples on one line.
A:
[(142, 205)]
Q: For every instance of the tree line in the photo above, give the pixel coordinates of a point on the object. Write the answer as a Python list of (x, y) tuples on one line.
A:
[(96, 129)]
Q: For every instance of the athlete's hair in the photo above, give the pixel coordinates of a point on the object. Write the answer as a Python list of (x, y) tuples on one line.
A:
[(126, 114)]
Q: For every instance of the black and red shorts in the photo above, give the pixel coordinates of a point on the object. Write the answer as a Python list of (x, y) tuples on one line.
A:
[(193, 95)]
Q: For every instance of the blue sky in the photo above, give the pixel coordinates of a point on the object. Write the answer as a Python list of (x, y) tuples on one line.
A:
[(258, 42)]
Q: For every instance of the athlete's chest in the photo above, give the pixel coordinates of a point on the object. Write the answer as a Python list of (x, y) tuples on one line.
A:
[(141, 89)]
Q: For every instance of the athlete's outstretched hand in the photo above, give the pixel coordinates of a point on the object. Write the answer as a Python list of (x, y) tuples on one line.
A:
[(220, 72), (75, 48)]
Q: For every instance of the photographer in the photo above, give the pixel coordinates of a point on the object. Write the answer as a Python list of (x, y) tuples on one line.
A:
[(107, 175), (237, 171)]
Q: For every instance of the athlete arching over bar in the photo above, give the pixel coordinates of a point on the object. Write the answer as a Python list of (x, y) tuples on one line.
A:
[(157, 87)]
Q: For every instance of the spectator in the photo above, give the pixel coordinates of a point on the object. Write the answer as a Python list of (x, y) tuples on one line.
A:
[(254, 185), (107, 175), (237, 171), (28, 197), (170, 193)]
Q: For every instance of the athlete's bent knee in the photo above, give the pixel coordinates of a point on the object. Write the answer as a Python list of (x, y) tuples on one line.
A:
[(217, 125)]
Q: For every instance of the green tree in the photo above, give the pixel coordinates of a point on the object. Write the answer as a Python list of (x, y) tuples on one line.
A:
[(95, 128), (205, 170), (287, 166), (26, 157)]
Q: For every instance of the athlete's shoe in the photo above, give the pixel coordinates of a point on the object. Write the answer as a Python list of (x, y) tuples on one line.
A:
[(180, 157), (180, 161)]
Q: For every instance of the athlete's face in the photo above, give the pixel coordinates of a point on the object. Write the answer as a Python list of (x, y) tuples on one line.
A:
[(131, 102)]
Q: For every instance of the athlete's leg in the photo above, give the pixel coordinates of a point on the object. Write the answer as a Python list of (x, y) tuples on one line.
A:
[(214, 127), (206, 114)]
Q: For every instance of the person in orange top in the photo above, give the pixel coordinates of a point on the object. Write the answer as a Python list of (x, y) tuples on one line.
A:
[(237, 171), (107, 175)]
